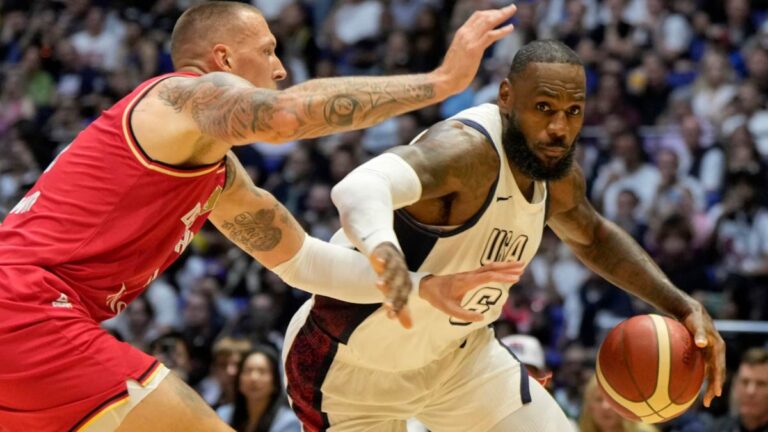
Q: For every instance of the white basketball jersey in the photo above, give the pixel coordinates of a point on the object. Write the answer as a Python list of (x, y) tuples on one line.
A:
[(506, 228)]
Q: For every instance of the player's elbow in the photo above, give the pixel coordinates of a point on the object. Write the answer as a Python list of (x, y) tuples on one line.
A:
[(341, 193)]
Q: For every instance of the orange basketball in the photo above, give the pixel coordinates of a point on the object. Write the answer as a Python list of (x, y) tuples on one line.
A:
[(650, 369)]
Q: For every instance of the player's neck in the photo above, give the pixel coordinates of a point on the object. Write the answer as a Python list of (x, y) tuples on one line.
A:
[(524, 183), (194, 67)]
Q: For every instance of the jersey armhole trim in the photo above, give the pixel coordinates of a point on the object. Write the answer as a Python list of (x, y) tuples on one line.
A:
[(138, 151), (475, 217)]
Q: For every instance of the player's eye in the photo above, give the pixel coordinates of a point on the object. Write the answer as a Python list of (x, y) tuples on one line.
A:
[(574, 111), (543, 107)]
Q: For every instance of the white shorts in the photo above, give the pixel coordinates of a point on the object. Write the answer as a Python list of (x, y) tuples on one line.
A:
[(471, 389), (109, 420)]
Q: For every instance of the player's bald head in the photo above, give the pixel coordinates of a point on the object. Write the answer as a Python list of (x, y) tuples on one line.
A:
[(202, 26)]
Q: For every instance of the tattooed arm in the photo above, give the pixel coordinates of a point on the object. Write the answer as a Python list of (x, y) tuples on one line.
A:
[(192, 121), (254, 220), (227, 108), (613, 254)]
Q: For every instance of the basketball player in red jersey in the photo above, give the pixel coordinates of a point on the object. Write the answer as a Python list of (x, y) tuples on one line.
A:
[(124, 200)]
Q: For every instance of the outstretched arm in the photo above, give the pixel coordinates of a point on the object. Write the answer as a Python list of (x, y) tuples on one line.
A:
[(614, 255), (227, 108)]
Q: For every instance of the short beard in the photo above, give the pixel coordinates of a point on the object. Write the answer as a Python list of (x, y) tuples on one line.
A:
[(520, 154)]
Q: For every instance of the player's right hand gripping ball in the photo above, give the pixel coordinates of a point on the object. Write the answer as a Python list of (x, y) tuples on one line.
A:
[(650, 369)]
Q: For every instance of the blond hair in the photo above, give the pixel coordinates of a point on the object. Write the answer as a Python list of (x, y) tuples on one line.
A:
[(587, 422)]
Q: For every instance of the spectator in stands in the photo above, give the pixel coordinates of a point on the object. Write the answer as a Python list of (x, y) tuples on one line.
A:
[(742, 154), (704, 162), (750, 395), (629, 169), (714, 88), (201, 325), (650, 86), (757, 63), (529, 351), (218, 388), (259, 404), (571, 378), (628, 215), (597, 415), (99, 46), (674, 188), (677, 255), (15, 104), (141, 329), (611, 98), (741, 242), (614, 33), (172, 350), (668, 32)]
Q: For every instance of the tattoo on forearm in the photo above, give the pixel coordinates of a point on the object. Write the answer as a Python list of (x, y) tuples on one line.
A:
[(340, 110), (227, 107), (255, 231)]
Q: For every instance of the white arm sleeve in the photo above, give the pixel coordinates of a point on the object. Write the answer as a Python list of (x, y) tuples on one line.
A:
[(335, 271), (368, 195)]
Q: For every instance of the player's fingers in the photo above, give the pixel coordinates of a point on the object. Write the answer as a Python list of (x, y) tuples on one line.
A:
[(489, 277), (498, 16), (378, 262), (399, 291), (455, 310), (503, 266), (382, 286), (701, 336), (710, 393), (494, 35), (391, 314), (404, 316), (708, 396), (719, 354), (695, 324)]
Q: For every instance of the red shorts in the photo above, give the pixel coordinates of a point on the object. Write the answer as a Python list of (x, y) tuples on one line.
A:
[(58, 368)]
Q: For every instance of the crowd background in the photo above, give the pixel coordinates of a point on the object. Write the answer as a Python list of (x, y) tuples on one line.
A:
[(674, 148)]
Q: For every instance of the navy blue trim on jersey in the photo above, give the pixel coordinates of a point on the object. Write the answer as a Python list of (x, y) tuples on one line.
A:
[(415, 242), (525, 389), (413, 226)]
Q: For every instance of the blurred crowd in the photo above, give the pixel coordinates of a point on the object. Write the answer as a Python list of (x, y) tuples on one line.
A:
[(674, 148)]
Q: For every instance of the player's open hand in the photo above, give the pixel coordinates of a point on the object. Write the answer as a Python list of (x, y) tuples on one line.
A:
[(394, 281), (446, 292), (700, 324), (469, 43)]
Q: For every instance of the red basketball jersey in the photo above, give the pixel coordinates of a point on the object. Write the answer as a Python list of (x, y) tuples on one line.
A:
[(104, 219)]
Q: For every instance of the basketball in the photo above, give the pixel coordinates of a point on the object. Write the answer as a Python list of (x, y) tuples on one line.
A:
[(650, 369)]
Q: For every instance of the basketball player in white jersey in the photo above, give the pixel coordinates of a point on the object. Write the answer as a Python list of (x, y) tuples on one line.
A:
[(475, 189)]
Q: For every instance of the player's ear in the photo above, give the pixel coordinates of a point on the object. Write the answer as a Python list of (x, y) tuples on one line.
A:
[(506, 96), (222, 57)]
